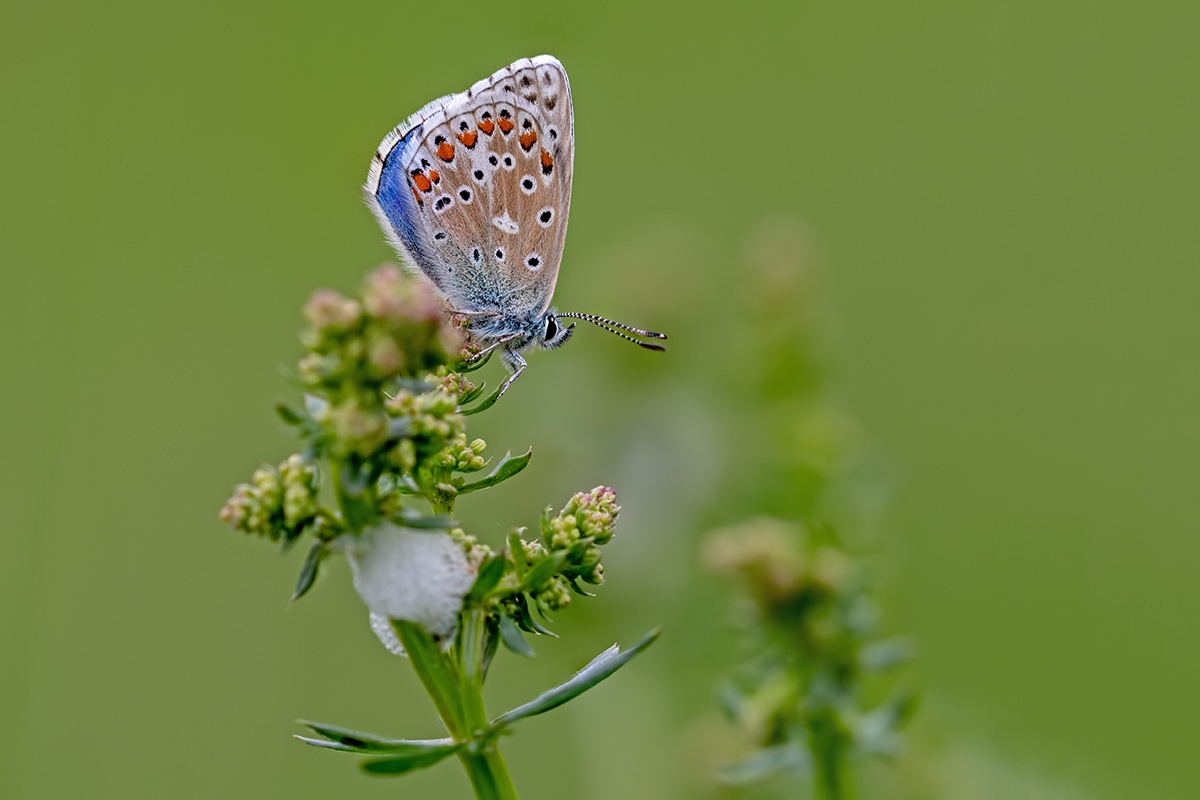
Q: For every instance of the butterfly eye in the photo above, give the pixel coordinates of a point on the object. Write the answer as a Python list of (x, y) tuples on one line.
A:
[(551, 328)]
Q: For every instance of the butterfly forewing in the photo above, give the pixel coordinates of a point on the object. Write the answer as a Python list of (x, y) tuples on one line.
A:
[(474, 189)]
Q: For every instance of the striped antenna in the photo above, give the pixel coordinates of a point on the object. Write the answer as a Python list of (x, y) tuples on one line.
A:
[(611, 326)]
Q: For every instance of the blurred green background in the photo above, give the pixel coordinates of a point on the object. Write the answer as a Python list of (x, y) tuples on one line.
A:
[(1000, 200)]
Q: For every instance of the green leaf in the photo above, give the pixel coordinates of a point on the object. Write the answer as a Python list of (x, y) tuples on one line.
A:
[(601, 667), (513, 639), (438, 674), (487, 403), (398, 765), (524, 619), (575, 588), (730, 700), (491, 641), (369, 743), (354, 479), (545, 568), (876, 730), (509, 466), (308, 573), (289, 416), (516, 550), (472, 395), (490, 573), (782, 758), (466, 366), (884, 655)]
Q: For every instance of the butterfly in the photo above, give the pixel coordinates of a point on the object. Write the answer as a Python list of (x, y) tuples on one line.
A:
[(473, 191)]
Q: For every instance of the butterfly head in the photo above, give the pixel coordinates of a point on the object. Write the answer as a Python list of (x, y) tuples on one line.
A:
[(553, 334)]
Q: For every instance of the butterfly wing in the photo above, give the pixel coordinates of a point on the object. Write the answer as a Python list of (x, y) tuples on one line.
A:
[(474, 190)]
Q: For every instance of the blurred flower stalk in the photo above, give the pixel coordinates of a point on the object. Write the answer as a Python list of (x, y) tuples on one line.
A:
[(816, 691), (383, 427)]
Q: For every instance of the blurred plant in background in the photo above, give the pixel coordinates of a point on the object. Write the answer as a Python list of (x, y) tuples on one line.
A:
[(384, 427), (808, 698)]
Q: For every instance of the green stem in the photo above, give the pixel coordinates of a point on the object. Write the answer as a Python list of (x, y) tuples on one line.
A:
[(457, 692), (831, 768), (481, 758)]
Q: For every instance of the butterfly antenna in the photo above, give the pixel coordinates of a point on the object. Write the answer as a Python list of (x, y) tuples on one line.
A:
[(611, 326)]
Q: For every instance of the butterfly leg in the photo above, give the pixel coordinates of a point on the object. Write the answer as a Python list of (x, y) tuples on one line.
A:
[(515, 364)]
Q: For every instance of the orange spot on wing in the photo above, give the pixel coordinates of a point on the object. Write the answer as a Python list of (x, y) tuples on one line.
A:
[(527, 139), (506, 125), (414, 191), (547, 163), (487, 126), (433, 176), (468, 138), (445, 151), (422, 182)]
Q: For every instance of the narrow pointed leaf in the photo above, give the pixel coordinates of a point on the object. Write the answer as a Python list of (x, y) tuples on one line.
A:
[(601, 667), (513, 639), (472, 395), (289, 415), (398, 765), (575, 588), (325, 744), (525, 620), (877, 728), (543, 570), (363, 742), (308, 573), (491, 643), (516, 548), (884, 655), (435, 670), (783, 758), (490, 573), (465, 366), (509, 466), (484, 404)]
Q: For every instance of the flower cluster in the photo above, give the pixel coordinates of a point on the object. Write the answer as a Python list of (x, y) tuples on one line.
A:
[(384, 416), (396, 328), (279, 503), (575, 535), (813, 619), (384, 409)]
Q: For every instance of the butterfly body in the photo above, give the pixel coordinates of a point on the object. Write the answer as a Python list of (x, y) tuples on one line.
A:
[(474, 191)]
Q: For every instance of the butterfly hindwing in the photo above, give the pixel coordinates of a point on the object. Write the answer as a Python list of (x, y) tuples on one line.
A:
[(474, 189)]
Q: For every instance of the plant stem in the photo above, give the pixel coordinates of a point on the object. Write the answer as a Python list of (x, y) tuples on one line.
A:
[(482, 759), (457, 692), (831, 770)]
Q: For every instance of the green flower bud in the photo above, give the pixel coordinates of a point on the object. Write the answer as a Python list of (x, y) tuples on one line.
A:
[(554, 595)]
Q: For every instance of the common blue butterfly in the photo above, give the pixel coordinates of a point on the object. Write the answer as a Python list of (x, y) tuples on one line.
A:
[(473, 191)]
